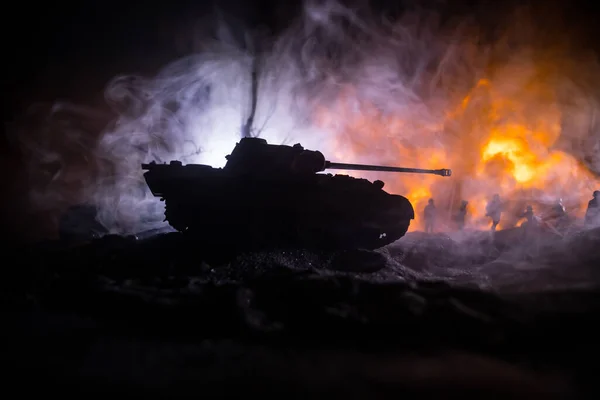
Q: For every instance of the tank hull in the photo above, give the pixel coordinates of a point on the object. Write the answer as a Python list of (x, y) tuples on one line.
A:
[(320, 211)]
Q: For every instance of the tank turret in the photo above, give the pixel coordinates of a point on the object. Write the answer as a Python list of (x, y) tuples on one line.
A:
[(275, 196), (255, 155)]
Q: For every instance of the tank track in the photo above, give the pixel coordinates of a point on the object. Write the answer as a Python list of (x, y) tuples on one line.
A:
[(282, 233)]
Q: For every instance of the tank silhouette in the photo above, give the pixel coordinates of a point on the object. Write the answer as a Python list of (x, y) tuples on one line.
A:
[(273, 196)]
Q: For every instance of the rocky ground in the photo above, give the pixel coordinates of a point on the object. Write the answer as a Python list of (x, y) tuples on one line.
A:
[(509, 315)]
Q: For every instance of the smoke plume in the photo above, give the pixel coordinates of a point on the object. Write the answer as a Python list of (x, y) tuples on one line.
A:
[(419, 91)]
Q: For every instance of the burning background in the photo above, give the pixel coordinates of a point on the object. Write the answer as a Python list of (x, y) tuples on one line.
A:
[(505, 97)]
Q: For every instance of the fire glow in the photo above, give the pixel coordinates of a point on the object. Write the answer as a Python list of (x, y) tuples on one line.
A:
[(504, 150), (412, 93)]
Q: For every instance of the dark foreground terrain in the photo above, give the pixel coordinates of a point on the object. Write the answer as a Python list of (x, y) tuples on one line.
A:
[(510, 316)]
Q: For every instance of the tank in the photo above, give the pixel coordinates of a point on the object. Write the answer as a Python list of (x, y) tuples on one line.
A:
[(276, 196)]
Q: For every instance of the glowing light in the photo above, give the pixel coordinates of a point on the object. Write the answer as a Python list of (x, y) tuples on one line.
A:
[(523, 168), (504, 144), (393, 95)]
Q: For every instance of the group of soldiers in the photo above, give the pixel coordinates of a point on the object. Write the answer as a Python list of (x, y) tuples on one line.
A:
[(494, 209)]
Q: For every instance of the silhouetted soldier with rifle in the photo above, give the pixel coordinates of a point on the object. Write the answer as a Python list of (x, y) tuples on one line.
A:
[(494, 211), (592, 214), (429, 215), (530, 219), (558, 217), (461, 215)]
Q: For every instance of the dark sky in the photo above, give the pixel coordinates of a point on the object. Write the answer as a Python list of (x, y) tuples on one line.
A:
[(69, 50)]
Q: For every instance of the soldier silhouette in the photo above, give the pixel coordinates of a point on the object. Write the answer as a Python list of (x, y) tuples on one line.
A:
[(528, 214), (529, 217), (494, 211), (559, 209), (592, 214), (461, 215), (429, 216), (557, 216)]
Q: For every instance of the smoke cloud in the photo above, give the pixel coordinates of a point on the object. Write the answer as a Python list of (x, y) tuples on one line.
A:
[(418, 91)]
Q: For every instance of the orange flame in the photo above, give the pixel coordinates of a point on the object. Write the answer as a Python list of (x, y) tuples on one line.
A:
[(498, 140)]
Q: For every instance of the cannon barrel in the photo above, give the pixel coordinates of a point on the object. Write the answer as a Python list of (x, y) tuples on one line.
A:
[(362, 167)]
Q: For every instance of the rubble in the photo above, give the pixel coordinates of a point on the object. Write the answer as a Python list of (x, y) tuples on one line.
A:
[(471, 295)]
